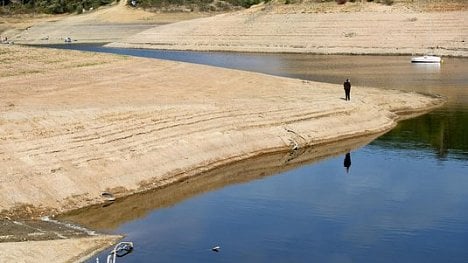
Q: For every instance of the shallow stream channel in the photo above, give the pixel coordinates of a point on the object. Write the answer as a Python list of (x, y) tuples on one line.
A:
[(401, 197)]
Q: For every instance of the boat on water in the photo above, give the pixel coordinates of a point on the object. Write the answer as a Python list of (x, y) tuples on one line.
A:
[(426, 59)]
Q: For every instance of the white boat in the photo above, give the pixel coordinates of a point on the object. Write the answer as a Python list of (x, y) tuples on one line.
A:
[(426, 59)]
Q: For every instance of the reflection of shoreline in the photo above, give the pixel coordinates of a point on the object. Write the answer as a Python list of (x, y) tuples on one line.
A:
[(138, 205), (442, 133)]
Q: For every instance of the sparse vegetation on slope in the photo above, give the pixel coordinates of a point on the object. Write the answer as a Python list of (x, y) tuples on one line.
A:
[(50, 6), (79, 6), (194, 5)]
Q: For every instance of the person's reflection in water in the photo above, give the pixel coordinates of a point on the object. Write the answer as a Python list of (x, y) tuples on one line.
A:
[(347, 161)]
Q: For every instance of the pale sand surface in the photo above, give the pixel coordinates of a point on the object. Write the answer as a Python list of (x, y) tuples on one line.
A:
[(327, 28), (61, 250), (76, 124), (264, 30)]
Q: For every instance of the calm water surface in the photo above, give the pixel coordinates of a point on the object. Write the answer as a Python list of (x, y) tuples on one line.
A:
[(404, 198)]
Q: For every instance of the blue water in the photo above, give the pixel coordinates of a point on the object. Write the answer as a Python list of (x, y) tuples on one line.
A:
[(392, 206), (404, 198)]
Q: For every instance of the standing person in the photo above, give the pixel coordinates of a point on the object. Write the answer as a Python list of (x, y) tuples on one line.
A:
[(347, 89)]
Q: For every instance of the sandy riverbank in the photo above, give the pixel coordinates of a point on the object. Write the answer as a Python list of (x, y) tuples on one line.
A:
[(73, 124), (376, 29), (59, 250), (48, 241), (76, 124), (325, 28)]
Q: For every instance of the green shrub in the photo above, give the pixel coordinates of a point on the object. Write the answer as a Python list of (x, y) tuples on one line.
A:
[(51, 6)]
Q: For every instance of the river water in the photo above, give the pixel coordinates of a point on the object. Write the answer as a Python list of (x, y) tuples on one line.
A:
[(403, 197)]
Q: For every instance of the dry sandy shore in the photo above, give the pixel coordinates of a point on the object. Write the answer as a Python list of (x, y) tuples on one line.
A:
[(354, 28), (374, 29), (74, 125), (60, 250)]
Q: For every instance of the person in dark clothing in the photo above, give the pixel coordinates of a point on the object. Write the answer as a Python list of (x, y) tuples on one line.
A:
[(347, 89), (347, 161)]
